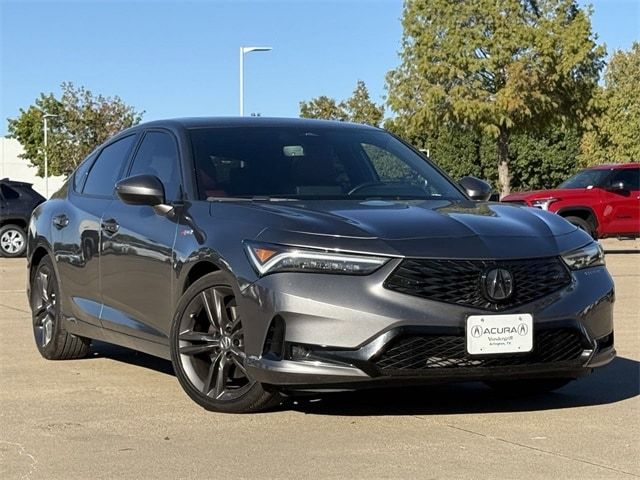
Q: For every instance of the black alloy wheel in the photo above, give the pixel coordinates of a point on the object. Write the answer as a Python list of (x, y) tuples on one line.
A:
[(52, 339), (207, 349)]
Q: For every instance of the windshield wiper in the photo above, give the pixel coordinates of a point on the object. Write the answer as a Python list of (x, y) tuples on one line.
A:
[(255, 198)]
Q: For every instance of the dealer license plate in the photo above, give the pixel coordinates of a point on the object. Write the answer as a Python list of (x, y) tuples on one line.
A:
[(491, 334)]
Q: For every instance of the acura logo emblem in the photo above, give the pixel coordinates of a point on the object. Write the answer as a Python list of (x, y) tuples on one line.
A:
[(522, 329), (476, 331), (498, 284)]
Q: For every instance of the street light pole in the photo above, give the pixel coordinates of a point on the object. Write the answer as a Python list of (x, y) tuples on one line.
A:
[(244, 50), (46, 160)]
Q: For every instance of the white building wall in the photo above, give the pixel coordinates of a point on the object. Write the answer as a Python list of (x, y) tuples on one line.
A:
[(16, 168)]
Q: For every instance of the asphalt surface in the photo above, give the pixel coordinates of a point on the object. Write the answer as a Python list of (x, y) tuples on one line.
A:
[(121, 414)]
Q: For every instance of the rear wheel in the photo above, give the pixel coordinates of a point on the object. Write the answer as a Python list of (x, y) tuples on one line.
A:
[(13, 241), (52, 340), (582, 224), (207, 349), (528, 387)]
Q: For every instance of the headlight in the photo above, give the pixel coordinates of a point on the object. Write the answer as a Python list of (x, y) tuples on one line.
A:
[(268, 258), (591, 255), (543, 203)]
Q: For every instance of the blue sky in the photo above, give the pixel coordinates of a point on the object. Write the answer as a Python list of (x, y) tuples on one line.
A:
[(174, 58)]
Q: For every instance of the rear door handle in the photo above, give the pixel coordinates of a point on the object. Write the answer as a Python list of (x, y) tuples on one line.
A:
[(110, 226), (60, 221)]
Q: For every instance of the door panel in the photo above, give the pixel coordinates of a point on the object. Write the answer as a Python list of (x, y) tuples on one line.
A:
[(76, 229), (622, 208), (137, 248), (136, 266), (76, 251)]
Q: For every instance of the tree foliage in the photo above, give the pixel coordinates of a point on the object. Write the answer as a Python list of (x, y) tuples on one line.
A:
[(539, 160), (83, 121), (323, 107), (496, 67), (615, 134), (359, 108)]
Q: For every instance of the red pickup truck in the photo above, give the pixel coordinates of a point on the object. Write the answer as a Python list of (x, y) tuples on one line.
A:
[(603, 200)]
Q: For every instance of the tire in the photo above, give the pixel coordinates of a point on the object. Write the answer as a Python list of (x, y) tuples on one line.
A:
[(582, 224), (207, 349), (13, 241), (52, 340), (524, 388)]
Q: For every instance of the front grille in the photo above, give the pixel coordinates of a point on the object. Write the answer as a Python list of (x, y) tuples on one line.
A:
[(459, 281), (412, 353)]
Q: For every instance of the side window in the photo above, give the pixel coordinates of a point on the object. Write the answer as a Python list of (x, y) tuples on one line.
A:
[(104, 173), (81, 172), (158, 156), (629, 176), (9, 193)]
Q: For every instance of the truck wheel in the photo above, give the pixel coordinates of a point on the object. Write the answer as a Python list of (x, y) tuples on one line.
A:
[(582, 224)]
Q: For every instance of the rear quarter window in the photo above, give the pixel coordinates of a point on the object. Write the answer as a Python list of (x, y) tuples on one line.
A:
[(80, 175)]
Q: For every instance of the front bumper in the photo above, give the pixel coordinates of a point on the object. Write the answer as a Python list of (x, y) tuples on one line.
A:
[(352, 369), (335, 330)]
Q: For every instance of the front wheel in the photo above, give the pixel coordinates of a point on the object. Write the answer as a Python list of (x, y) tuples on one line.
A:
[(582, 224), (207, 349)]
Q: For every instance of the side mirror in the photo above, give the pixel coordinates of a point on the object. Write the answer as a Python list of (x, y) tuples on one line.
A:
[(476, 189), (141, 190)]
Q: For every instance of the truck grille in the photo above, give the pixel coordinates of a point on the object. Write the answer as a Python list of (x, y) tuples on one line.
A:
[(459, 281), (412, 353)]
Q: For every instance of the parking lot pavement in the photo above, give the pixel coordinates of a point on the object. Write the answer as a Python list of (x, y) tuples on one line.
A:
[(120, 414)]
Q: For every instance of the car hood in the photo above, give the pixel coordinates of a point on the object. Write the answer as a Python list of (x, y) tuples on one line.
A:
[(416, 228), (536, 194)]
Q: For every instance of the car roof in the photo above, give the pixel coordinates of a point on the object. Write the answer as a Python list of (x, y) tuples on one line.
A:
[(615, 166), (15, 183), (213, 122)]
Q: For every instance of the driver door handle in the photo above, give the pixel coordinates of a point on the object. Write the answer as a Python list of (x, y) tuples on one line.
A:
[(110, 226)]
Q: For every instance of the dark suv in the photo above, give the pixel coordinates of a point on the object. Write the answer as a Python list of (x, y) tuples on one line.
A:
[(604, 201), (17, 201), (266, 257)]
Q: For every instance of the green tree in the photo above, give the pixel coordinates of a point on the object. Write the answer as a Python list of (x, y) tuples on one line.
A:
[(359, 108), (544, 159), (83, 122), (499, 67), (615, 134), (538, 160), (324, 108)]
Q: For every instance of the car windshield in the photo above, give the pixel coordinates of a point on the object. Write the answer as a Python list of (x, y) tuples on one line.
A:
[(312, 163), (585, 179)]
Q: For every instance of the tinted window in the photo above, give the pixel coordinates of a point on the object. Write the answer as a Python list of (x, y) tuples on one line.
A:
[(586, 178), (629, 176), (158, 155), (81, 173), (9, 193), (104, 173), (312, 163)]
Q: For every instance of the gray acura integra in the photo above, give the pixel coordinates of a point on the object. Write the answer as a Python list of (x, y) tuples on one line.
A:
[(266, 257)]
